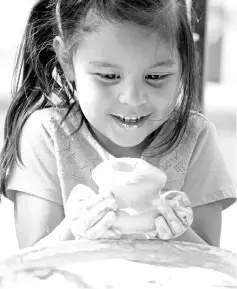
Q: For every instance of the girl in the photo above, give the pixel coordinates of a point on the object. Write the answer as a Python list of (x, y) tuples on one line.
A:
[(103, 79)]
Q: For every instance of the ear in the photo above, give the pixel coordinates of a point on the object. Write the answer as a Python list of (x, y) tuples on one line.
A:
[(63, 57)]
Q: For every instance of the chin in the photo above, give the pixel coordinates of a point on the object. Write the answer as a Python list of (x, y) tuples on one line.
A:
[(128, 143)]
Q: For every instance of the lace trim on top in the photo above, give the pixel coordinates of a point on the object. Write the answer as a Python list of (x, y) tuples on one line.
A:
[(92, 141)]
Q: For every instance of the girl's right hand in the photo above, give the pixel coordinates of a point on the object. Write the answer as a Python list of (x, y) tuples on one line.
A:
[(90, 215)]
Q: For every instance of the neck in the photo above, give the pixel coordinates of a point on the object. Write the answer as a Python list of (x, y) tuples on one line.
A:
[(118, 151)]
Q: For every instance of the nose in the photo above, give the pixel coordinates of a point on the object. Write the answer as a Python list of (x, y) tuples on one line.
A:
[(132, 96)]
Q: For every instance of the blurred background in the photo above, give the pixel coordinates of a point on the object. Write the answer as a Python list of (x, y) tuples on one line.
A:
[(218, 96)]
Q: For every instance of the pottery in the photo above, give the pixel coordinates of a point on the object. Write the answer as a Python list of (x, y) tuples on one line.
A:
[(135, 184)]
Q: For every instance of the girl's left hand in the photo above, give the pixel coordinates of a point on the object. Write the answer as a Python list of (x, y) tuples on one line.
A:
[(175, 215)]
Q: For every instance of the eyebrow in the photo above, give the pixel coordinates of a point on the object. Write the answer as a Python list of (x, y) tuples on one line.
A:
[(164, 63), (167, 63)]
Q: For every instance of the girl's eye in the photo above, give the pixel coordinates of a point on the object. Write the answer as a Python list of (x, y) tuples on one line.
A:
[(157, 77), (108, 76), (150, 77)]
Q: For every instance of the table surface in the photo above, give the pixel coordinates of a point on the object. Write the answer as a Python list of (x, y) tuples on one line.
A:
[(143, 259)]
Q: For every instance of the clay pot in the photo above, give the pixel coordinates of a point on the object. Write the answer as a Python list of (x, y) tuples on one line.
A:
[(135, 184)]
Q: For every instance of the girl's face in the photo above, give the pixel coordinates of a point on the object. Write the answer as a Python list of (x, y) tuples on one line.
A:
[(127, 81)]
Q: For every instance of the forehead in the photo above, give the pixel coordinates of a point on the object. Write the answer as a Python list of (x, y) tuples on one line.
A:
[(126, 40)]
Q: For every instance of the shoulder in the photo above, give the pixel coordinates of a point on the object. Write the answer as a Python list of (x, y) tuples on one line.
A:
[(52, 120), (199, 136), (200, 122), (197, 140), (199, 127), (41, 119)]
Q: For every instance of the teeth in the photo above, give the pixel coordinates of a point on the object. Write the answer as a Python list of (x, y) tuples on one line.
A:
[(129, 119)]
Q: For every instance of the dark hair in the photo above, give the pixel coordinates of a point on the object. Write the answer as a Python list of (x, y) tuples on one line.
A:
[(35, 85)]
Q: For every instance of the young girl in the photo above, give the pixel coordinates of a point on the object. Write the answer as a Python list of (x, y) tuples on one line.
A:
[(103, 79)]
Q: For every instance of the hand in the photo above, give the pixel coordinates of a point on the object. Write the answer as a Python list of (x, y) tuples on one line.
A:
[(175, 215), (90, 215)]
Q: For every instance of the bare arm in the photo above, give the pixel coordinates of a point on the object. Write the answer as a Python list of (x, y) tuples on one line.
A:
[(39, 221), (206, 227)]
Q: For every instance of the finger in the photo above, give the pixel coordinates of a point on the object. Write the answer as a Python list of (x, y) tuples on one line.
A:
[(178, 196), (162, 228), (82, 199), (172, 220), (89, 218), (97, 212), (79, 227), (75, 203), (185, 215), (76, 209), (96, 199), (101, 228)]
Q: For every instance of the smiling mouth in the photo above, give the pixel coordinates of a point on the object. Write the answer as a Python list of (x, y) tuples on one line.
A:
[(130, 123), (129, 120)]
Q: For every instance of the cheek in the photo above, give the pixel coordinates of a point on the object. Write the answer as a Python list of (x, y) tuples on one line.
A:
[(165, 100), (166, 97), (87, 91), (95, 95), (84, 86), (92, 98)]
